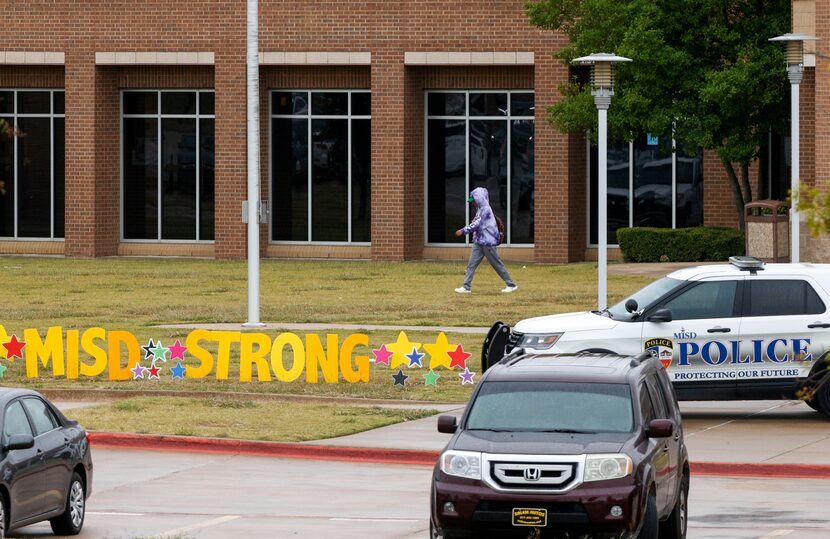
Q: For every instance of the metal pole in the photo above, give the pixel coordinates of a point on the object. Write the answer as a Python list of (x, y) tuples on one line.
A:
[(602, 194), (253, 163), (794, 168)]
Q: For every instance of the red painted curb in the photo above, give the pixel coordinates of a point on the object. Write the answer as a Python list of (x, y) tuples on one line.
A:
[(398, 456)]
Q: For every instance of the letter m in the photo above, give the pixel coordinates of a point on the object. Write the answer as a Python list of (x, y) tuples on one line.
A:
[(50, 347)]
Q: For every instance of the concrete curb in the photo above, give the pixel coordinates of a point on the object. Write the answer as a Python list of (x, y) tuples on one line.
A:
[(398, 456)]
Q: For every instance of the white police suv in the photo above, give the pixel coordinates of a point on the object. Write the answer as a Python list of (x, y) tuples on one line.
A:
[(743, 330)]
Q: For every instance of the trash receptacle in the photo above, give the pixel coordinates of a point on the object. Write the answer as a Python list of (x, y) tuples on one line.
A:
[(768, 230)]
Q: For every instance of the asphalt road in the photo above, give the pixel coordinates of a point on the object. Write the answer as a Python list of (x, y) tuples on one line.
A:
[(156, 494)]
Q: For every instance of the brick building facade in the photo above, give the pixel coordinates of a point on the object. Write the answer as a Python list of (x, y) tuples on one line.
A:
[(139, 176)]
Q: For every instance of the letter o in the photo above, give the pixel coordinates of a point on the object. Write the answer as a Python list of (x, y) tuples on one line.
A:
[(277, 363)]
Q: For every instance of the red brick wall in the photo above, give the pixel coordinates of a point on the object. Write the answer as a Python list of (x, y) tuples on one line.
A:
[(12, 76)]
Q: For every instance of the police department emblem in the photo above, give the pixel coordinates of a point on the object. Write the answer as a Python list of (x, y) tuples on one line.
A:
[(662, 349)]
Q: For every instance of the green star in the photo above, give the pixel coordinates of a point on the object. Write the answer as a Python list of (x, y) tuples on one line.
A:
[(159, 352), (431, 378), (2, 370)]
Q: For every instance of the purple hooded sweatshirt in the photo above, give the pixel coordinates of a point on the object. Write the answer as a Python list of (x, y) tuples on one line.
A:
[(484, 228)]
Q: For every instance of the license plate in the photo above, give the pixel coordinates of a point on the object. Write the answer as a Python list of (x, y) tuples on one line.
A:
[(523, 516)]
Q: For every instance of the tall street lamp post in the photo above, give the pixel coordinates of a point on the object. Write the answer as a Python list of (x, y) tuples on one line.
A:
[(602, 88), (795, 70), (253, 208)]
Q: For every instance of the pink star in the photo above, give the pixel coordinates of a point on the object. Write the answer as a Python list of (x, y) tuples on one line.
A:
[(177, 351), (382, 355)]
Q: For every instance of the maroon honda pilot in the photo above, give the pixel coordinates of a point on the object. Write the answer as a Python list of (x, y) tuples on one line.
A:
[(564, 446)]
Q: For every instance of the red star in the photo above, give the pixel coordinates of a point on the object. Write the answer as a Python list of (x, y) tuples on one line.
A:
[(14, 348), (154, 371), (458, 357)]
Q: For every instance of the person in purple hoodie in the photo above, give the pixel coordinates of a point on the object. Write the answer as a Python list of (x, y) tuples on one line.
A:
[(486, 238)]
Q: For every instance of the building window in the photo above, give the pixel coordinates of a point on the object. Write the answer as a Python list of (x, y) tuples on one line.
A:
[(479, 139), (321, 166), (168, 165), (32, 164), (666, 186)]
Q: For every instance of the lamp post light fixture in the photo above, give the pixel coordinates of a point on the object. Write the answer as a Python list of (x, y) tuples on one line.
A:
[(602, 88), (795, 71)]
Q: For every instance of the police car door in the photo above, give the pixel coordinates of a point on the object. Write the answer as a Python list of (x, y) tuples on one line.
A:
[(786, 327), (696, 333)]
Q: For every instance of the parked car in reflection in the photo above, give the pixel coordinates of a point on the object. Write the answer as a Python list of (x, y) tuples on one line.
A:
[(45, 465)]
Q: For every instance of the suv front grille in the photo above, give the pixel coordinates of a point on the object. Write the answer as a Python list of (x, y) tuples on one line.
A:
[(512, 340), (532, 473)]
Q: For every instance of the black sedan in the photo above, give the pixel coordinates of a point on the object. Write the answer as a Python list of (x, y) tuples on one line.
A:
[(45, 465)]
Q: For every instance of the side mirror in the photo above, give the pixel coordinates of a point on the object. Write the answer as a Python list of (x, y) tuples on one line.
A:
[(447, 424), (660, 315), (631, 305), (19, 441), (660, 428)]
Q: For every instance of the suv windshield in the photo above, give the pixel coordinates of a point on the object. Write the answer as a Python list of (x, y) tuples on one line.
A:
[(552, 407), (644, 297)]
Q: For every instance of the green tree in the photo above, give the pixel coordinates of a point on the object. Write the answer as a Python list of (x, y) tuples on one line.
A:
[(704, 68)]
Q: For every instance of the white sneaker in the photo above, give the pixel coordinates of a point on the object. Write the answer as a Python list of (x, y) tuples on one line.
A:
[(462, 290), (508, 289)]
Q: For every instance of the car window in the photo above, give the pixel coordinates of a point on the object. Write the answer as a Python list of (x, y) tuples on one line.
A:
[(714, 299), (645, 405), (645, 297), (15, 421), (782, 298), (41, 415), (661, 407)]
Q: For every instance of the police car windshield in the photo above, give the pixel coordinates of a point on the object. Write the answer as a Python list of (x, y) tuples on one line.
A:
[(644, 297), (565, 407)]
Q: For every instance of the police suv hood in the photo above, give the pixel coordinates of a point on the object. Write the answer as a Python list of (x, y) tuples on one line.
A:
[(538, 443), (559, 323)]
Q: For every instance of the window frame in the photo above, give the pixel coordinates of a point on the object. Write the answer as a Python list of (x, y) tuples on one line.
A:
[(14, 115), (158, 116), (309, 116), (507, 118)]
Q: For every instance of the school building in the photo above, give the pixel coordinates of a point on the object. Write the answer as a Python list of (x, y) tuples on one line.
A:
[(377, 119)]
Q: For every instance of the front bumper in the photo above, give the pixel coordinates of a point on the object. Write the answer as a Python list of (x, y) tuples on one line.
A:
[(480, 511)]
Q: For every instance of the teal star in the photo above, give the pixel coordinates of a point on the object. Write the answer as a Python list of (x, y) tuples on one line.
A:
[(159, 352), (431, 378)]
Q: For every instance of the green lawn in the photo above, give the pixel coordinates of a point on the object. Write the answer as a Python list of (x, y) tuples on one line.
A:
[(136, 295)]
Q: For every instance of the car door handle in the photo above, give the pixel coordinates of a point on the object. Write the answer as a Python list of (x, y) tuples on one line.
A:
[(719, 330), (40, 454), (818, 325)]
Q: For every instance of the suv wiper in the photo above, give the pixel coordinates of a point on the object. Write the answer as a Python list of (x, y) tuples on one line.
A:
[(604, 311), (496, 430), (565, 431)]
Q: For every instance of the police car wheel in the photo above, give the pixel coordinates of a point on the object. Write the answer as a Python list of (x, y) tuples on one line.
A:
[(822, 398), (813, 404)]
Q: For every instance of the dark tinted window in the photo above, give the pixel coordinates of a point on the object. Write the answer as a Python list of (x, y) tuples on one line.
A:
[(646, 406), (34, 102), (658, 398), (446, 104), (330, 103), (714, 299), (140, 102), (783, 297), (488, 104), (522, 105), (15, 421), (289, 103), (58, 100), (545, 406), (6, 102), (178, 102), (207, 102), (361, 104), (41, 415)]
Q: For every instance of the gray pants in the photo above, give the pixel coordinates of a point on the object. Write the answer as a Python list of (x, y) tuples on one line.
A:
[(476, 256)]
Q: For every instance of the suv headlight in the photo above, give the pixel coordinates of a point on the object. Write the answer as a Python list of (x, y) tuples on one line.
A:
[(461, 464), (539, 341), (604, 467)]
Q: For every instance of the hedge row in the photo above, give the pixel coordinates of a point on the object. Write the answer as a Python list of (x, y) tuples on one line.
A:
[(699, 244)]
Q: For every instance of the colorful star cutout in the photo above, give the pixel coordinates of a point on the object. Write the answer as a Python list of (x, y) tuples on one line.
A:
[(438, 352), (400, 378), (177, 371), (177, 350), (159, 352), (154, 371), (2, 370), (148, 349), (14, 348), (138, 371), (431, 378), (400, 348), (459, 357), (466, 376), (415, 358), (382, 355)]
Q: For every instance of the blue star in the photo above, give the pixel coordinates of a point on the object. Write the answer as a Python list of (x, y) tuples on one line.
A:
[(415, 358), (178, 371)]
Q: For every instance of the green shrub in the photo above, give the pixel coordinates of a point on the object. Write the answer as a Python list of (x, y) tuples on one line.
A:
[(699, 244)]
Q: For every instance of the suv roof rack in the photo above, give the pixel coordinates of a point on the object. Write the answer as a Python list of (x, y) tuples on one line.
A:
[(747, 263), (639, 358)]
